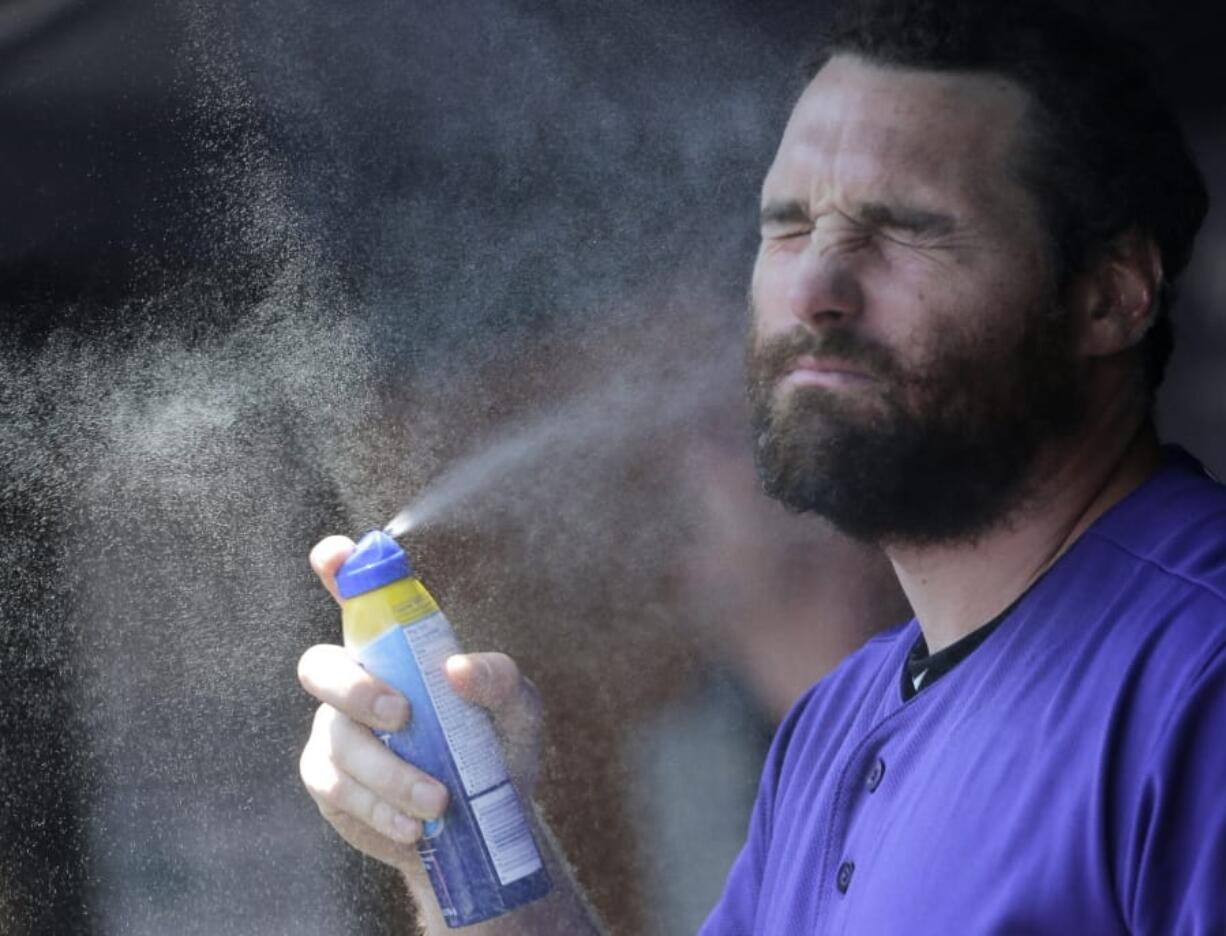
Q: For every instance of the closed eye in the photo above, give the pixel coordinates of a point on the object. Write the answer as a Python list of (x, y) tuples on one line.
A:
[(784, 220), (909, 224), (788, 235)]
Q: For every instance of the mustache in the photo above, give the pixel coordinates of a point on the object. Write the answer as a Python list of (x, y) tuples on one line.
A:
[(768, 360)]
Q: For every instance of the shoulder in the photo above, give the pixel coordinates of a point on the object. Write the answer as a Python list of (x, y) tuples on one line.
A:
[(1148, 600), (826, 714), (1172, 531), (1146, 586)]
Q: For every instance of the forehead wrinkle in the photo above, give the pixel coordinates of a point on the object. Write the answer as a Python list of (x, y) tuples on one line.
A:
[(913, 136), (863, 169), (827, 172)]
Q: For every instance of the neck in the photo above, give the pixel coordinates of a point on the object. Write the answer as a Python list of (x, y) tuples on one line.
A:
[(955, 588)]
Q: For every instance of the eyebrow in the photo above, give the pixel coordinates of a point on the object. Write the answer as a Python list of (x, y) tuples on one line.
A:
[(783, 212), (871, 214), (906, 218)]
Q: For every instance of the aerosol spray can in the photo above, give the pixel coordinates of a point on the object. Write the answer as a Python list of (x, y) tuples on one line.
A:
[(480, 855)]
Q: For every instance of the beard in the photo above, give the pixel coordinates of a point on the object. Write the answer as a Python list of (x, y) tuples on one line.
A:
[(938, 453)]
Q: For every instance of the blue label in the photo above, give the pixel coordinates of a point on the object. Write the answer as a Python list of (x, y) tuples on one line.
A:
[(480, 856)]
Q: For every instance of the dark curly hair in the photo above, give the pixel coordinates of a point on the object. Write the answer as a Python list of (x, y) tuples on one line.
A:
[(1105, 155)]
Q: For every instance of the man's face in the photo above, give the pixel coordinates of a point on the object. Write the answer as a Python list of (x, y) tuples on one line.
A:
[(908, 358)]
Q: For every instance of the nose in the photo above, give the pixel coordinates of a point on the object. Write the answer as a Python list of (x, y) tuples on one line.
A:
[(824, 289)]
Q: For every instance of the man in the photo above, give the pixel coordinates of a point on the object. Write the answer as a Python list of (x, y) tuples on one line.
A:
[(969, 237)]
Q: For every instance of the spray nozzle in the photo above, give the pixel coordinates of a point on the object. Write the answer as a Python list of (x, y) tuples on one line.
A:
[(376, 561)]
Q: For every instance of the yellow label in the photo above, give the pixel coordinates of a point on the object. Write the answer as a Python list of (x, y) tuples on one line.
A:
[(397, 604)]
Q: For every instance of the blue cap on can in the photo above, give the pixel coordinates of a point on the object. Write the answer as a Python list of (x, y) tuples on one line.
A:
[(376, 561)]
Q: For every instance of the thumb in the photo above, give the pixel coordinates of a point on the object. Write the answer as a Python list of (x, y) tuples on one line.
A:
[(494, 682)]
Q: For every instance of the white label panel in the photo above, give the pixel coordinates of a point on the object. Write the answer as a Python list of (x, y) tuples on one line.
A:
[(470, 734), (506, 834)]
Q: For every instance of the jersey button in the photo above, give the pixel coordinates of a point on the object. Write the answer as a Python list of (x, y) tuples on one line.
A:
[(846, 869), (875, 773)]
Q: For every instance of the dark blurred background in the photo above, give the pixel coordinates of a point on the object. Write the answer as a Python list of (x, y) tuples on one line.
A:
[(268, 269)]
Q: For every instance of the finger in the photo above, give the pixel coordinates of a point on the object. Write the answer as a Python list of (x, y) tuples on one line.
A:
[(364, 758), (493, 681), (338, 794), (335, 678), (365, 839), (327, 556)]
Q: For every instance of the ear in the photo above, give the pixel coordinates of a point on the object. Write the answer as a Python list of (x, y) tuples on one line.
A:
[(1115, 299)]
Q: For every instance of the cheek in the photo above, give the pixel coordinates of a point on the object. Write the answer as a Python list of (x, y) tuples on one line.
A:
[(768, 297), (906, 313), (928, 327)]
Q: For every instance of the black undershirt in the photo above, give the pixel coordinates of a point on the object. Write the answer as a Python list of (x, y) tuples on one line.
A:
[(935, 665)]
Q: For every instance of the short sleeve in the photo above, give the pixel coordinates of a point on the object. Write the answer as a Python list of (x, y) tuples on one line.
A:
[(1174, 862), (737, 909)]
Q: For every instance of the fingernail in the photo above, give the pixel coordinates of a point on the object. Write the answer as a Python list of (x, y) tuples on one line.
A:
[(389, 709), (431, 827), (406, 829), (429, 799)]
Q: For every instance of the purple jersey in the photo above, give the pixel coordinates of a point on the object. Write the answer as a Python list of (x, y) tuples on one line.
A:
[(1069, 776)]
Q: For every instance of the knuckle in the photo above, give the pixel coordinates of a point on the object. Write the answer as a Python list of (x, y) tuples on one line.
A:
[(333, 817), (325, 718), (400, 784), (317, 775), (382, 815), (504, 677), (332, 789), (505, 666)]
